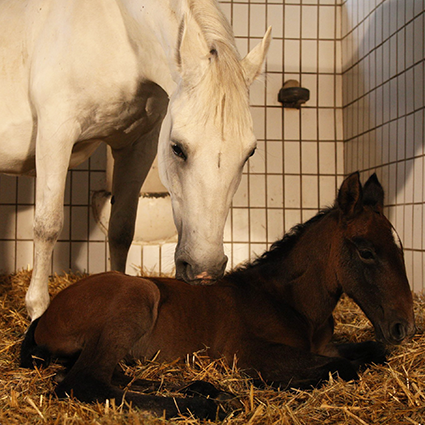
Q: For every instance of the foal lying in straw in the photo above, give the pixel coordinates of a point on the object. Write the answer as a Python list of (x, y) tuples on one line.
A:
[(274, 315)]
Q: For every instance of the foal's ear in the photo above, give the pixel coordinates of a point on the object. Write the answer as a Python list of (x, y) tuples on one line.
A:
[(350, 195), (253, 61), (373, 193)]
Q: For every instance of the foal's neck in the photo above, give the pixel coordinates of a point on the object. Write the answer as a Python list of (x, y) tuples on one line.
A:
[(311, 278), (305, 277)]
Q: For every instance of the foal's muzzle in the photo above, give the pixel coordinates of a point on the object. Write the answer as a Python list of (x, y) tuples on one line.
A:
[(397, 332)]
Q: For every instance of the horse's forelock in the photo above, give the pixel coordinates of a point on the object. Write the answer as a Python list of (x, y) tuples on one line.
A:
[(222, 92), (221, 95), (228, 93)]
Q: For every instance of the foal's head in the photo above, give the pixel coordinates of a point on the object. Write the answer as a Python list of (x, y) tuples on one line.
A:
[(370, 266)]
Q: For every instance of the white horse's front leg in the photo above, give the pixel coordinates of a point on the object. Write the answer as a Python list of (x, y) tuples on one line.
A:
[(131, 166), (52, 160)]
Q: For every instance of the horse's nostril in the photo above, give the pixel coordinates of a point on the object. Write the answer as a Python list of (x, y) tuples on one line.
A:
[(398, 331), (183, 269)]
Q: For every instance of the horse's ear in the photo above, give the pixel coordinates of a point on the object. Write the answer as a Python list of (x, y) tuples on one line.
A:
[(192, 49), (350, 195), (252, 63), (373, 193)]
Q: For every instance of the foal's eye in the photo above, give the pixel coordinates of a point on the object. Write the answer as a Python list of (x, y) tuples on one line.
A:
[(366, 254), (178, 151)]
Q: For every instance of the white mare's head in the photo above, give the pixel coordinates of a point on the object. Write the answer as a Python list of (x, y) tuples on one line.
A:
[(206, 138)]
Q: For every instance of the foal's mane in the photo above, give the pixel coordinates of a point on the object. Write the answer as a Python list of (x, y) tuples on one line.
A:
[(224, 84), (282, 247)]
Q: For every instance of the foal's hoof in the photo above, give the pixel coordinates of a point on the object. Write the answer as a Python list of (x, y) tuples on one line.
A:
[(345, 369), (225, 400), (200, 388), (374, 352), (203, 408)]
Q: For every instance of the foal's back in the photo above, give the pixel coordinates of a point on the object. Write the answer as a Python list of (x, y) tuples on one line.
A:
[(95, 304), (165, 316)]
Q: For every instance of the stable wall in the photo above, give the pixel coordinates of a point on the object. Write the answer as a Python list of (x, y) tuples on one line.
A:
[(327, 46), (383, 99)]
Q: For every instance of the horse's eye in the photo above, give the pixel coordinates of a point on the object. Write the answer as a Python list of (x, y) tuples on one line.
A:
[(366, 254), (178, 151), (250, 154)]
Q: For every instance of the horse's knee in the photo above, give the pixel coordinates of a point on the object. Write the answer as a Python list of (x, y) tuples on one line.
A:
[(120, 237), (47, 226), (120, 234)]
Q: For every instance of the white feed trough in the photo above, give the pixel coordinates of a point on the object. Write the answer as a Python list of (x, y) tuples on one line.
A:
[(154, 222)]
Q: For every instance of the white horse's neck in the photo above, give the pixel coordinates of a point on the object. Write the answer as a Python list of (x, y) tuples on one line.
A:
[(160, 22), (153, 28)]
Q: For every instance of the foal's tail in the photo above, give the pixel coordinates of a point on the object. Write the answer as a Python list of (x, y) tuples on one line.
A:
[(33, 355)]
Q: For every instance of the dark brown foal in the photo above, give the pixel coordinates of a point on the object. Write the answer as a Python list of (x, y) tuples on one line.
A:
[(274, 315)]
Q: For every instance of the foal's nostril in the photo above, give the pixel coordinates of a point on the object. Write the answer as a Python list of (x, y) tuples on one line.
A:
[(398, 331)]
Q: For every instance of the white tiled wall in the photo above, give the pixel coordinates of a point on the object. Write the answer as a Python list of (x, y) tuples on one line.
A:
[(383, 92), (81, 245), (288, 181), (356, 57)]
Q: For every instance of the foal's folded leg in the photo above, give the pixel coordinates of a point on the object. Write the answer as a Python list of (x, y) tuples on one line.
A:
[(195, 389), (192, 388), (90, 389), (205, 389), (363, 353), (89, 379), (120, 379), (285, 366)]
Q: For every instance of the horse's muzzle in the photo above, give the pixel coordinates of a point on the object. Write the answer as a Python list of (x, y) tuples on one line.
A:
[(190, 274)]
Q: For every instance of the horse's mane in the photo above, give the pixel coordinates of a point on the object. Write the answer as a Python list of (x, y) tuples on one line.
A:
[(224, 83), (282, 247)]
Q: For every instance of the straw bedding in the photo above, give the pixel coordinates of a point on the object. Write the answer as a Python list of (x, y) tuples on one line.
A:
[(389, 394)]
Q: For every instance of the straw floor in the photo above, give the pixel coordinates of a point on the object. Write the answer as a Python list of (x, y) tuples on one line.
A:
[(389, 394)]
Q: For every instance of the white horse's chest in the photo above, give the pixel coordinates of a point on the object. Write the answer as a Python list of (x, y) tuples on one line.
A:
[(123, 122)]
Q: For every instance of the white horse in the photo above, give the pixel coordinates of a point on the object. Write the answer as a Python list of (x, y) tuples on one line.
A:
[(74, 73)]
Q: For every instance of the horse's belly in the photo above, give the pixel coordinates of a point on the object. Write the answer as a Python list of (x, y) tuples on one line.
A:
[(17, 128), (17, 148)]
